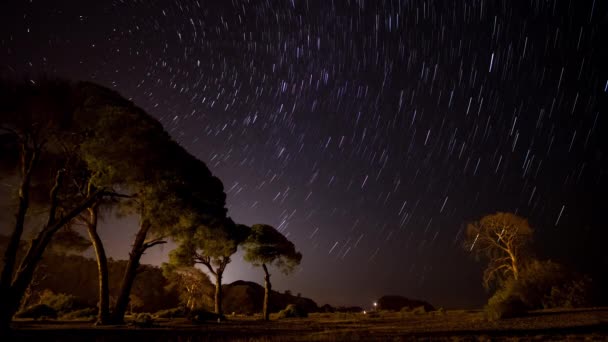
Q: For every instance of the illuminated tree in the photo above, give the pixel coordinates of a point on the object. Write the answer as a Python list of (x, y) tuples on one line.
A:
[(503, 239), (193, 285), (211, 246), (92, 141), (267, 247), (34, 121)]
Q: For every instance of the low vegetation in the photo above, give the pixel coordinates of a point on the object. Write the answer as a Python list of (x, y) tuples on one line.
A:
[(293, 311), (453, 325)]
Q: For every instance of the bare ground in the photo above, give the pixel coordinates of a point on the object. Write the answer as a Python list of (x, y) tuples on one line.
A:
[(556, 325)]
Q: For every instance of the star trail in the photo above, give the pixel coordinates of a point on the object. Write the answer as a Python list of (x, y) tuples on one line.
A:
[(368, 132)]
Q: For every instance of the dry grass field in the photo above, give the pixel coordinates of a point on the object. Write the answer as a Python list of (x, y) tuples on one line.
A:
[(575, 325)]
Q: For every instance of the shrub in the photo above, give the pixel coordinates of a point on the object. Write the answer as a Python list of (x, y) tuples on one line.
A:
[(37, 311), (61, 302), (201, 315), (440, 311), (292, 311), (87, 313), (546, 284), (143, 320), (170, 313), (575, 293), (419, 310), (505, 304)]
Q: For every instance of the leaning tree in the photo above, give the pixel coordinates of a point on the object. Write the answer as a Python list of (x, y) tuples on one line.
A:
[(92, 142), (267, 247), (36, 121), (503, 239)]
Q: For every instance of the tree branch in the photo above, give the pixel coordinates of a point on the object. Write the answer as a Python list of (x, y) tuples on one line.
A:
[(153, 243)]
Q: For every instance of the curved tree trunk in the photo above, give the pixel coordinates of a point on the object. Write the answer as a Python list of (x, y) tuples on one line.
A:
[(12, 294), (10, 254), (9, 303), (218, 293), (138, 249), (267, 289), (103, 315)]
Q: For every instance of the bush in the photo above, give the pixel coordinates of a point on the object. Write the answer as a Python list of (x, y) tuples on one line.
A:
[(61, 302), (201, 316), (88, 313), (292, 311), (440, 311), (546, 284), (575, 293), (38, 311), (143, 320), (170, 313), (419, 310), (505, 304)]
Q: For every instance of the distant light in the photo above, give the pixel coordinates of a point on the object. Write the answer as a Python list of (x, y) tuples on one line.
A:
[(364, 312), (375, 304)]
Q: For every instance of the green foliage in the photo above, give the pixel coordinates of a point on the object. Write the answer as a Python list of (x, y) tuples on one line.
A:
[(77, 275), (171, 313), (293, 311), (266, 245), (60, 302), (86, 313), (541, 284), (38, 311), (67, 241), (198, 316), (143, 320), (504, 304), (546, 284), (103, 142), (193, 285)]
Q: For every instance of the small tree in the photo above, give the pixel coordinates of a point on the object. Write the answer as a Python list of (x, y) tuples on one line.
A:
[(211, 246), (503, 239), (193, 285), (265, 247)]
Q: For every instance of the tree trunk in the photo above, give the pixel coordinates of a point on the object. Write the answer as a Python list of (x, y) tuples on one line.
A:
[(267, 289), (103, 314), (12, 294), (138, 249), (515, 269), (28, 160), (218, 293)]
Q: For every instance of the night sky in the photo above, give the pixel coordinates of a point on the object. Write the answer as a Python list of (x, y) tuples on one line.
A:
[(368, 132)]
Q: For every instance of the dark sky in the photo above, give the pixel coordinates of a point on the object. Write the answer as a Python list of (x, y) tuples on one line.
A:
[(368, 132)]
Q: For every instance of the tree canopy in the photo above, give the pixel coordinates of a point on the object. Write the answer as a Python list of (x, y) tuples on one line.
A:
[(503, 239), (266, 247), (70, 145)]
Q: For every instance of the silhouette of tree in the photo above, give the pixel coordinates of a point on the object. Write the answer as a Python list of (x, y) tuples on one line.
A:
[(94, 141), (34, 121), (266, 247)]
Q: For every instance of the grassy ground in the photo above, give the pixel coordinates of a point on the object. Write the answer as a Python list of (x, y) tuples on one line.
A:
[(575, 325)]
